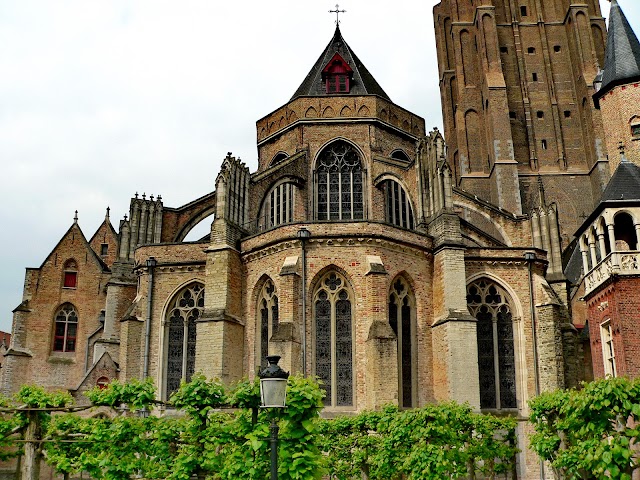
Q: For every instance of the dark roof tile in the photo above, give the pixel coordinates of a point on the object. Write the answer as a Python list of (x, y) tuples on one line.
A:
[(363, 82)]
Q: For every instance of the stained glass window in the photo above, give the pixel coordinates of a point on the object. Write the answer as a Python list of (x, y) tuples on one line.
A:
[(334, 340), (401, 314), (66, 329), (339, 183), (496, 353), (184, 311), (398, 208), (268, 316)]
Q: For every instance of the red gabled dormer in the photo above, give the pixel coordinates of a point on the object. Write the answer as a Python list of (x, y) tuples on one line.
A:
[(337, 75)]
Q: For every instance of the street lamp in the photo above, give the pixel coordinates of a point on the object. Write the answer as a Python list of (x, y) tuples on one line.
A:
[(304, 235), (273, 394)]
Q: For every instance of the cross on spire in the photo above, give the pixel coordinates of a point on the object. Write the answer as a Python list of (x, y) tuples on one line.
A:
[(337, 11), (621, 148)]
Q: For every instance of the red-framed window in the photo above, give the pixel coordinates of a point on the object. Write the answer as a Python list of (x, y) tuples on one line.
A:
[(102, 383), (337, 75), (70, 275), (66, 329)]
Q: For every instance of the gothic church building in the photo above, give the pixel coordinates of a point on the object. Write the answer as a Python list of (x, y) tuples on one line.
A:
[(365, 250)]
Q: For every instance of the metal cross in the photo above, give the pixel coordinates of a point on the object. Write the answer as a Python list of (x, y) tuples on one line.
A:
[(337, 11), (621, 148)]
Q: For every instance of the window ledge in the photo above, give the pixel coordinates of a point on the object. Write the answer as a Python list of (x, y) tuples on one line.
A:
[(62, 358)]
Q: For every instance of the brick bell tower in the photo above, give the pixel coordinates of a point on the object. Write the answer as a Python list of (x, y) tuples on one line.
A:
[(516, 81), (618, 89)]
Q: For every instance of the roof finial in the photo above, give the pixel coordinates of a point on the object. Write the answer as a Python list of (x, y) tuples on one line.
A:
[(337, 11), (75, 217), (106, 217)]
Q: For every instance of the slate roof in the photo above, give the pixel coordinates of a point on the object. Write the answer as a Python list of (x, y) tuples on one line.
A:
[(363, 82), (624, 184), (622, 56)]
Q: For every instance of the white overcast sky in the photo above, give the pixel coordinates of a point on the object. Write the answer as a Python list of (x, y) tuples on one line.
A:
[(102, 99)]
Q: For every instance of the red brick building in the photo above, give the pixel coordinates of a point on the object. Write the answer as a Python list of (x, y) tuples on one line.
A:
[(362, 250)]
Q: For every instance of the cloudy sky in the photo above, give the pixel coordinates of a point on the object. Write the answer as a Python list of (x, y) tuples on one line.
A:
[(102, 99)]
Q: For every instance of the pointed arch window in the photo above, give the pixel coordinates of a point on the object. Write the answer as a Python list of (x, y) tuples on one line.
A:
[(268, 315), (333, 316), (66, 329), (339, 183), (278, 206), (402, 322), (398, 209), (489, 304), (185, 309)]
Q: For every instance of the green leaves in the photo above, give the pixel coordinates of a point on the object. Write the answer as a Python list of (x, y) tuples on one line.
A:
[(590, 432)]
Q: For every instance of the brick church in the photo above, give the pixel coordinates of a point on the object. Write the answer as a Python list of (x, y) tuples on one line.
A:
[(396, 264)]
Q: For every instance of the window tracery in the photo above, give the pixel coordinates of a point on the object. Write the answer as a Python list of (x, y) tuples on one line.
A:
[(339, 183), (401, 320), (66, 329), (489, 304), (269, 318), (334, 340), (185, 309)]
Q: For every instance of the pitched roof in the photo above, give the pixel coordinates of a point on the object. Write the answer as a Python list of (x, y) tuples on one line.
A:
[(622, 57), (363, 82), (624, 184)]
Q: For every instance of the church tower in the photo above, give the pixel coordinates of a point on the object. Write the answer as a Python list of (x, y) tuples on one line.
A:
[(618, 89), (516, 81)]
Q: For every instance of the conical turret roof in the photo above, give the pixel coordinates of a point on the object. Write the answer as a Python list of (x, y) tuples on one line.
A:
[(622, 57), (362, 82)]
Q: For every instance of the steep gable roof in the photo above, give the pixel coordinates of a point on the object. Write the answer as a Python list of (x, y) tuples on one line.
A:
[(363, 82), (92, 254), (622, 57)]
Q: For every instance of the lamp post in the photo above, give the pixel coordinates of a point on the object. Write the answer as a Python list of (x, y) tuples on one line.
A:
[(273, 394), (304, 235)]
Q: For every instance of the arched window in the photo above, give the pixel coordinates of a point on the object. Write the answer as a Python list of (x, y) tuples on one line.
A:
[(625, 232), (397, 206), (70, 273), (496, 353), (339, 183), (66, 329), (279, 157), (184, 310), (268, 316), (400, 155), (278, 206), (334, 340), (401, 320)]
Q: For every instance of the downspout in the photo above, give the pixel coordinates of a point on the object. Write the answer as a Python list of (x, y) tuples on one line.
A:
[(531, 257), (151, 264), (304, 235)]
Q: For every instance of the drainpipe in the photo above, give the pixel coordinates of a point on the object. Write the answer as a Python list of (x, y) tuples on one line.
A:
[(151, 264), (304, 235), (530, 257)]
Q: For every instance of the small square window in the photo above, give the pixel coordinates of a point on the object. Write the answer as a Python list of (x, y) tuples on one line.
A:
[(70, 279), (544, 144), (534, 76), (635, 130), (540, 114), (557, 48), (512, 115), (531, 51), (567, 114), (523, 10), (504, 50), (104, 249)]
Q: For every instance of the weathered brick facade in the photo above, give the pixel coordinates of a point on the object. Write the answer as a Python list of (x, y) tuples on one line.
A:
[(430, 273)]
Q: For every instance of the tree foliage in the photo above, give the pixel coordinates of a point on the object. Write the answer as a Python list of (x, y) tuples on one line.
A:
[(589, 433)]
